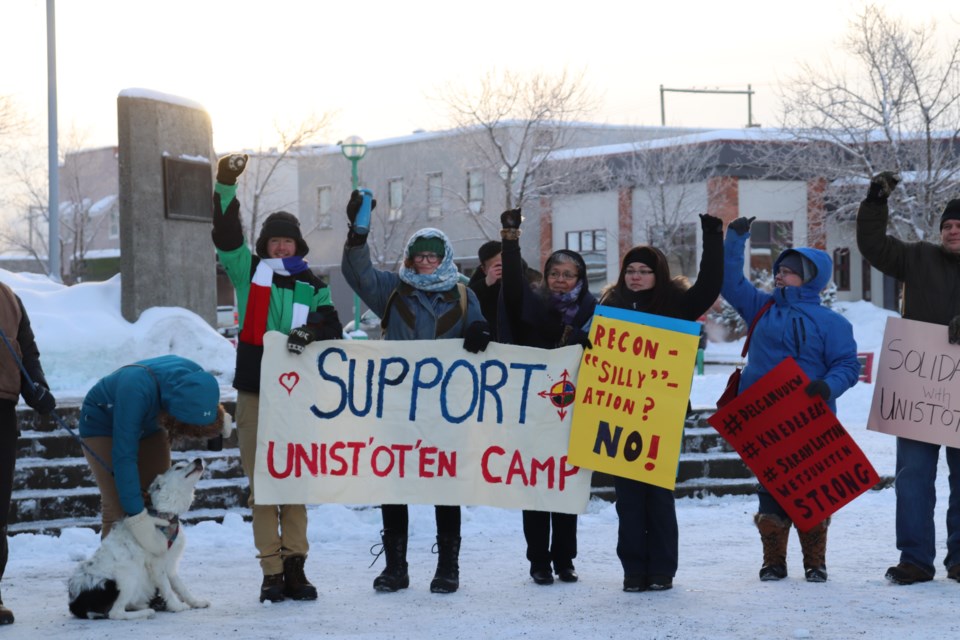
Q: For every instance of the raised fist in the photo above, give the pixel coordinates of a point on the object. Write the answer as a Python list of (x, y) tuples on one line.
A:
[(230, 167), (353, 206), (710, 224), (511, 219), (882, 185), (741, 225)]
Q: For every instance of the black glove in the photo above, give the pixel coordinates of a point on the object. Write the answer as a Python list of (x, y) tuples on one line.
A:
[(43, 401), (299, 338), (477, 337), (230, 167), (819, 388), (741, 225), (953, 330), (511, 219), (353, 206), (882, 185), (711, 224), (583, 340)]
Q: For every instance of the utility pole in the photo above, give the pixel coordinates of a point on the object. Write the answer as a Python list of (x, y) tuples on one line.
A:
[(749, 93), (53, 162)]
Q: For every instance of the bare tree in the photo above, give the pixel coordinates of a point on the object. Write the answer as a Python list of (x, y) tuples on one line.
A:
[(258, 186), (901, 112), (663, 177), (512, 123)]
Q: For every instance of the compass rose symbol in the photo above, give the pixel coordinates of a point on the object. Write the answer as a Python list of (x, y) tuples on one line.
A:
[(561, 394)]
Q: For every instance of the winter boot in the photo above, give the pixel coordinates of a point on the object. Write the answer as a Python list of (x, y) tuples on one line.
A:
[(6, 616), (813, 543), (447, 577), (272, 588), (774, 532), (295, 583), (394, 576)]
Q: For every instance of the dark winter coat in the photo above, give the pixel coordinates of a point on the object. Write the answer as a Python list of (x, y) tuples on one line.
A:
[(930, 274), (488, 296), (240, 264), (16, 327), (528, 319), (797, 325), (125, 406)]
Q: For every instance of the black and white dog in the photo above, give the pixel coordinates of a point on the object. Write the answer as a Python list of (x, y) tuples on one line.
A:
[(121, 578)]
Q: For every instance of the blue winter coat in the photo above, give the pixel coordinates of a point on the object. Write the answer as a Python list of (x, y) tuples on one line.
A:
[(375, 286), (125, 405), (820, 340)]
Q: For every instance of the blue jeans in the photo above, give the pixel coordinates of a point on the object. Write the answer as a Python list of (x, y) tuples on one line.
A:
[(916, 498)]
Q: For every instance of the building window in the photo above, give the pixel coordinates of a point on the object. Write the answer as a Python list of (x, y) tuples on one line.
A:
[(592, 246), (866, 284), (395, 196), (114, 222), (841, 268), (773, 235), (475, 191), (324, 200), (434, 195)]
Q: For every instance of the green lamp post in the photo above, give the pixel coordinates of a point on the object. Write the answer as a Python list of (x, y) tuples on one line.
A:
[(353, 149)]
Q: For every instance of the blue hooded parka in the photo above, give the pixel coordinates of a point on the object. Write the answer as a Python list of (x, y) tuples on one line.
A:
[(125, 405), (797, 325)]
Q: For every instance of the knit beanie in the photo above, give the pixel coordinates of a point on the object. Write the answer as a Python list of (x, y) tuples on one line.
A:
[(643, 255), (281, 225), (800, 265), (425, 244), (951, 212), (489, 250)]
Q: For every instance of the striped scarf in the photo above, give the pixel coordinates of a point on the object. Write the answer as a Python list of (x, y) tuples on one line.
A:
[(258, 299)]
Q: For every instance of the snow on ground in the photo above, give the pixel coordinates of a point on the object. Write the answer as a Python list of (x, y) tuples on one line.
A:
[(716, 592)]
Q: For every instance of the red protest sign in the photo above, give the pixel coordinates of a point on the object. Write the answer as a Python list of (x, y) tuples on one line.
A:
[(795, 445)]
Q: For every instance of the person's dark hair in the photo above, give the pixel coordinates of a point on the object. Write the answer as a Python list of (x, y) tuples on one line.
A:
[(664, 289)]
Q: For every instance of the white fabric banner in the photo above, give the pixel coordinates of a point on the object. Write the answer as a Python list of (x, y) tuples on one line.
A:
[(418, 422)]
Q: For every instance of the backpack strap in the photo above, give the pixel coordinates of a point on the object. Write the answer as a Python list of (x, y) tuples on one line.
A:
[(405, 314), (444, 323), (447, 321)]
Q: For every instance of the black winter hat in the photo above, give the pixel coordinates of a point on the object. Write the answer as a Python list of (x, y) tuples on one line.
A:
[(951, 212), (488, 250), (281, 225), (643, 255)]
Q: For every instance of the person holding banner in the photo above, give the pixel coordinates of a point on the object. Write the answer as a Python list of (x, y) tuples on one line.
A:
[(276, 291), (930, 276), (552, 315), (792, 323), (647, 540), (20, 349), (423, 300)]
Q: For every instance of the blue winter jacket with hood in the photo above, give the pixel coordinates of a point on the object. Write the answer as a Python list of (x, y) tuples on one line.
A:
[(125, 405), (797, 325)]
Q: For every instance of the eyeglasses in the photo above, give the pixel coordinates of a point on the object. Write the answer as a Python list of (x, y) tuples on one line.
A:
[(638, 272), (563, 275), (426, 257)]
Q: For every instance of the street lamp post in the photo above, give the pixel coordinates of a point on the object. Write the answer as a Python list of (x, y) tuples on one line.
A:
[(353, 149)]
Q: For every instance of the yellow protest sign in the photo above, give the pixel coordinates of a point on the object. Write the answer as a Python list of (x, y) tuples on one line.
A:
[(632, 392)]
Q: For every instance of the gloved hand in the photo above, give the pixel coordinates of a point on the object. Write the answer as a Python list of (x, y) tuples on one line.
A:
[(143, 526), (477, 337), (230, 167), (710, 224), (741, 225), (511, 219), (882, 185), (43, 401), (299, 338), (582, 339), (819, 388), (354, 204), (953, 330)]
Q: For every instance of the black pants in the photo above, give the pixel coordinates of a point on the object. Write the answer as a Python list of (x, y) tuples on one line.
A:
[(396, 519), (647, 538), (8, 459), (536, 529)]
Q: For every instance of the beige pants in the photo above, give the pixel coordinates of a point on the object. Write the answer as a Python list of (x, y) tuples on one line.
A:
[(278, 530), (153, 458)]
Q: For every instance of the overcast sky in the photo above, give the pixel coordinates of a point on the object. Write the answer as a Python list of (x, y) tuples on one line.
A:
[(376, 65)]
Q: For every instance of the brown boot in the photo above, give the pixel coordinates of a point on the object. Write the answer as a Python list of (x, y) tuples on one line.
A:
[(774, 532), (814, 546)]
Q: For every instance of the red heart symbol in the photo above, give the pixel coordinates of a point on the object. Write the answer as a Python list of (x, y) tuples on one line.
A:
[(289, 380)]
